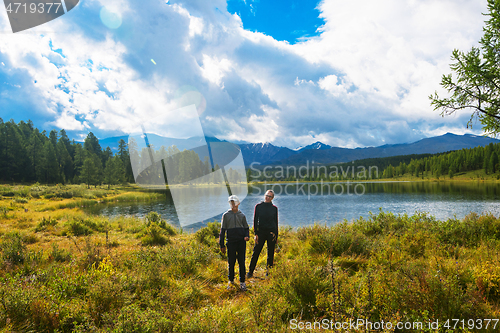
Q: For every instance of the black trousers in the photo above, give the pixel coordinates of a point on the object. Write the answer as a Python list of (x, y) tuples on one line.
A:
[(271, 242), (236, 250)]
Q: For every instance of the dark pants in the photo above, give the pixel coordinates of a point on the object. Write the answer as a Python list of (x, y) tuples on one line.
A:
[(271, 242), (236, 250)]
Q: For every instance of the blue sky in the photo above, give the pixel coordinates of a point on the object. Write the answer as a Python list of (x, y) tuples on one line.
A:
[(284, 20), (257, 71)]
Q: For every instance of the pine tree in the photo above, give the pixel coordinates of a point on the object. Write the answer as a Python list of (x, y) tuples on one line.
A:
[(90, 172), (50, 165), (114, 172)]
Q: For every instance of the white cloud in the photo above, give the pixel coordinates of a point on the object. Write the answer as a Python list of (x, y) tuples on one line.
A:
[(363, 82), (214, 69)]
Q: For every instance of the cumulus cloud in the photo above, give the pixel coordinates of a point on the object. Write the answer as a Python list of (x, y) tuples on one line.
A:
[(363, 81)]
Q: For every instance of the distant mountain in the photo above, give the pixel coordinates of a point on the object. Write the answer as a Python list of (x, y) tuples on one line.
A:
[(266, 153), (157, 141), (439, 144), (112, 142), (316, 145)]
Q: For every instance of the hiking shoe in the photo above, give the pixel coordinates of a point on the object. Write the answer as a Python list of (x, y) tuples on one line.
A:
[(229, 284), (249, 275), (243, 286)]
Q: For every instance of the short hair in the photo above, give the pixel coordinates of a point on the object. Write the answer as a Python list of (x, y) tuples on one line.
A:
[(271, 192)]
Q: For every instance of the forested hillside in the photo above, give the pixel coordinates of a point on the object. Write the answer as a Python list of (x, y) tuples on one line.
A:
[(449, 164), (28, 155), (483, 159)]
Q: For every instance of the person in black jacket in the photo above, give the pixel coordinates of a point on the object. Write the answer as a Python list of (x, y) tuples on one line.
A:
[(235, 228), (265, 226)]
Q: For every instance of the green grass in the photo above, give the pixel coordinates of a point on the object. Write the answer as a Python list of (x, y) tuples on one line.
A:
[(64, 271)]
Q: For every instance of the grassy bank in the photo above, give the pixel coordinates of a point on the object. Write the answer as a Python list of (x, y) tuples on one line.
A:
[(65, 271), (469, 176)]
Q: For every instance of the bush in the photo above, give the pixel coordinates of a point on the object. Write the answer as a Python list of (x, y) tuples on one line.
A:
[(300, 282), (30, 238), (153, 218), (13, 248), (154, 235), (133, 319), (78, 228), (337, 240), (208, 234), (59, 255), (85, 227), (21, 200), (44, 223)]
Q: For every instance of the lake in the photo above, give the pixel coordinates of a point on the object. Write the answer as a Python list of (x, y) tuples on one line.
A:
[(303, 204)]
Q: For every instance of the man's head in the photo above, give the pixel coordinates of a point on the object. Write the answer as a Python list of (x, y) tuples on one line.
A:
[(269, 196), (234, 202)]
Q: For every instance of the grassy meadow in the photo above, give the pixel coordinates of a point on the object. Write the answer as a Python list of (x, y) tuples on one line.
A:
[(65, 271)]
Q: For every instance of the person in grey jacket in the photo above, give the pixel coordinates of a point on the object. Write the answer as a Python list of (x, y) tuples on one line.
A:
[(236, 231)]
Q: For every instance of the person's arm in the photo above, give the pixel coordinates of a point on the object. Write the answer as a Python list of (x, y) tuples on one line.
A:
[(256, 224), (277, 227), (256, 219), (222, 234), (247, 229)]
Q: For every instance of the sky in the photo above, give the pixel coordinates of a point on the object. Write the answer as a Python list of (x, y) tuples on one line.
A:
[(347, 73)]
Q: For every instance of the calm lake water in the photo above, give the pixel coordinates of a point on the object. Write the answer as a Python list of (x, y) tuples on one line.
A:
[(305, 204)]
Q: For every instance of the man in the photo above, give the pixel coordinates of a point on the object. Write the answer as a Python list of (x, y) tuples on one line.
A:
[(235, 227), (265, 226)]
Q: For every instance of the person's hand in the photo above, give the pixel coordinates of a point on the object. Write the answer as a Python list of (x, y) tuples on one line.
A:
[(256, 239), (223, 250), (246, 239)]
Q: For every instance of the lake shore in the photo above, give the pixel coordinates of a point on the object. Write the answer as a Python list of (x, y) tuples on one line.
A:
[(68, 271), (471, 176)]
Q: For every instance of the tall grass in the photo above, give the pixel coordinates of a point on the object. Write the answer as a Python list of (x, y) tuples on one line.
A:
[(388, 267)]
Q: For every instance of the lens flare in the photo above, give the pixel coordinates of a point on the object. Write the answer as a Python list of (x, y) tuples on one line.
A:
[(110, 18), (187, 95)]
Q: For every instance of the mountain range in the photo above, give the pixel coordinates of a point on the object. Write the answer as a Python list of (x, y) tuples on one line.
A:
[(268, 154)]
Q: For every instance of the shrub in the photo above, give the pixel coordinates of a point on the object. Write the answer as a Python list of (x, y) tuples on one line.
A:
[(75, 318), (16, 300), (133, 319), (59, 255), (21, 200), (104, 295), (154, 235), (30, 238), (208, 234), (13, 248), (155, 218), (85, 227), (299, 282), (337, 240), (93, 254), (214, 319), (44, 223), (78, 228)]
